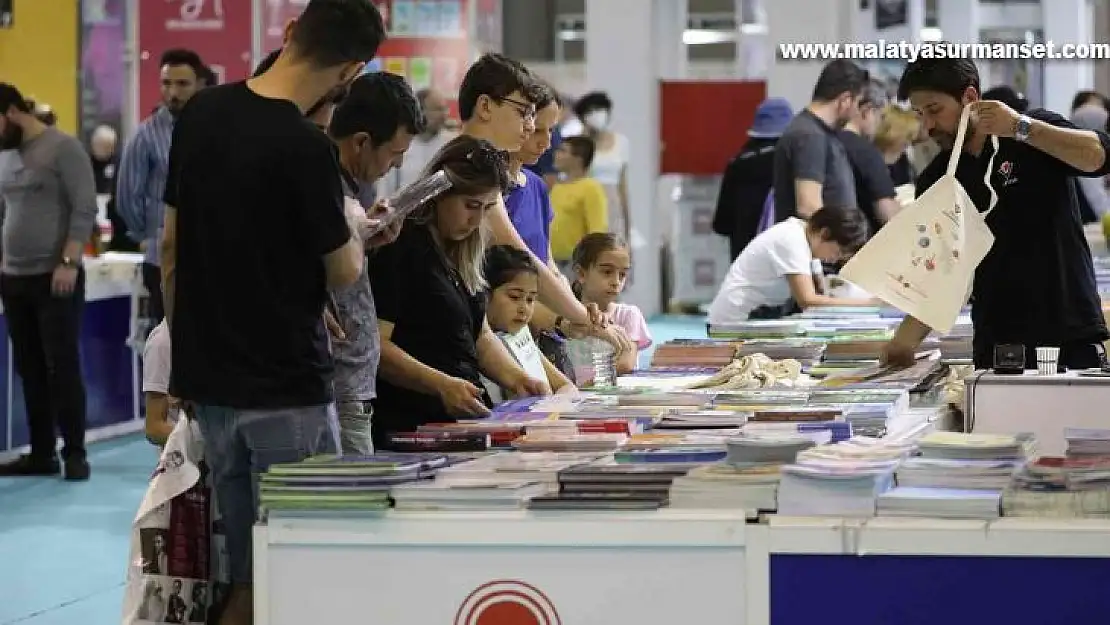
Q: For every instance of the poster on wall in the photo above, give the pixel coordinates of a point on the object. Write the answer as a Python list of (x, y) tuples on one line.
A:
[(891, 13), (218, 30), (275, 14), (102, 74)]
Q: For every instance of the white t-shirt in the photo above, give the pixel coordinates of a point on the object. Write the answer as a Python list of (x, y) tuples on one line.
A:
[(609, 164), (758, 276), (156, 360)]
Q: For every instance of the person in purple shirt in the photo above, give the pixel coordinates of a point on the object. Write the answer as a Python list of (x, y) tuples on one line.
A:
[(527, 203)]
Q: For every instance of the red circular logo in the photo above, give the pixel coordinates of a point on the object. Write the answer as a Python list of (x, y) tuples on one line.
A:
[(507, 602)]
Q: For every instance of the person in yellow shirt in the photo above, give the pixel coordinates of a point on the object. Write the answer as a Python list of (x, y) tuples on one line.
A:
[(579, 201)]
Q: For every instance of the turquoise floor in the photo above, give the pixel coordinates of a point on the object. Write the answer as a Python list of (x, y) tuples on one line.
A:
[(63, 547)]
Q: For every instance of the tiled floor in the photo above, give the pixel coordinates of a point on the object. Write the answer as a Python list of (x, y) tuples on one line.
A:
[(63, 547)]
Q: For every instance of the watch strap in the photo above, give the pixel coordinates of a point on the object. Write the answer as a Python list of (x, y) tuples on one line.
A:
[(1023, 129)]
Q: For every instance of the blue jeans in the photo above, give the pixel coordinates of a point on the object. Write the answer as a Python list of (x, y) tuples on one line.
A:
[(239, 445)]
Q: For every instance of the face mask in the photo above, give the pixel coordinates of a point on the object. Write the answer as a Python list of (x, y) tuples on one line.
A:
[(598, 120)]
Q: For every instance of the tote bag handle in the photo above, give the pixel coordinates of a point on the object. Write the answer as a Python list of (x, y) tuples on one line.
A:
[(957, 150)]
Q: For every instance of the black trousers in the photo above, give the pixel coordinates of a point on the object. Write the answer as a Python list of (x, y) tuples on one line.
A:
[(152, 281), (44, 331)]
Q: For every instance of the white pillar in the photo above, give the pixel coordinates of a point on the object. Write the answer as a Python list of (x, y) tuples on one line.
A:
[(794, 79), (1066, 22), (959, 22), (628, 44)]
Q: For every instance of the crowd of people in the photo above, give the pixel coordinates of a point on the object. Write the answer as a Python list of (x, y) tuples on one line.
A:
[(809, 190), (292, 312)]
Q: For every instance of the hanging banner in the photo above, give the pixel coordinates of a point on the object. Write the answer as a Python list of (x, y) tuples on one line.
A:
[(218, 30)]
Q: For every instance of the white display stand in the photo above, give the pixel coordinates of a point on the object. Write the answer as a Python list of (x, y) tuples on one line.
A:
[(1041, 404), (483, 568)]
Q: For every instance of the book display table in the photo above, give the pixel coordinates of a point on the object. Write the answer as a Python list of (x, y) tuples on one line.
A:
[(1039, 404), (497, 568), (882, 571)]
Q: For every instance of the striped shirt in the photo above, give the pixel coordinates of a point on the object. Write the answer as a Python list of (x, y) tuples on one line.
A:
[(142, 179)]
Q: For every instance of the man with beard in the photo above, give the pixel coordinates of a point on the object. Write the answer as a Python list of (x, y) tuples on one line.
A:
[(48, 210), (256, 233), (811, 166), (425, 145), (372, 129), (1036, 286), (143, 167)]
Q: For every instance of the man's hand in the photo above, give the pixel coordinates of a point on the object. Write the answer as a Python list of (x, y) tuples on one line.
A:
[(335, 329), (995, 118), (525, 386), (461, 398), (64, 280), (379, 213)]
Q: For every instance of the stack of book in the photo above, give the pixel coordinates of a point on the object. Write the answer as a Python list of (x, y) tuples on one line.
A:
[(613, 486), (838, 480), (693, 353), (759, 329), (540, 466), (941, 503), (1076, 486), (722, 485), (477, 493), (348, 483), (805, 351), (925, 472)]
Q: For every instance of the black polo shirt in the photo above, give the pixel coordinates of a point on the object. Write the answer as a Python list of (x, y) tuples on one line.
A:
[(259, 203), (435, 320), (1036, 286)]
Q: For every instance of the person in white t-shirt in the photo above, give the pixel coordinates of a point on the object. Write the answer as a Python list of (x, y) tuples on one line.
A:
[(775, 269), (160, 407)]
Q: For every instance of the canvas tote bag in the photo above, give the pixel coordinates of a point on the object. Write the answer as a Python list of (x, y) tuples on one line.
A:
[(923, 260)]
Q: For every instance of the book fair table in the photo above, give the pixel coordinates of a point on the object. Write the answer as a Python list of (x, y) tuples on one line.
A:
[(503, 567), (1017, 571)]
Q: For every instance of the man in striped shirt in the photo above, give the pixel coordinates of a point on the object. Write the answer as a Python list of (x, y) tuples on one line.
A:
[(142, 170)]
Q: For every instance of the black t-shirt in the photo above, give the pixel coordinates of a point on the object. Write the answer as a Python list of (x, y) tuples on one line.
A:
[(901, 171), (258, 202), (435, 320), (872, 176), (744, 187), (809, 150), (1036, 286)]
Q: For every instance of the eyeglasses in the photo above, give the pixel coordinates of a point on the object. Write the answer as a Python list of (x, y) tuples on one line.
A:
[(526, 110)]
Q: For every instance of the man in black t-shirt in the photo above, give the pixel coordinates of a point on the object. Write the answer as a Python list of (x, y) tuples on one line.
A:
[(255, 235), (1036, 286), (875, 194)]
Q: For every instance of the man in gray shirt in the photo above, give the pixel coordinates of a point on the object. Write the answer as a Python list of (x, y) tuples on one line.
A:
[(47, 215), (812, 169), (372, 129)]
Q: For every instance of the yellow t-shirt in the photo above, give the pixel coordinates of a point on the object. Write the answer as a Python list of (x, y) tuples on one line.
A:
[(580, 208)]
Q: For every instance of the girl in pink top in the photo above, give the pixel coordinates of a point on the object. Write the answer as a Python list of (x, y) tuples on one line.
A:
[(601, 263)]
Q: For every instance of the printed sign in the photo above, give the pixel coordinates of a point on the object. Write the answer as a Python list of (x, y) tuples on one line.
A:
[(507, 602)]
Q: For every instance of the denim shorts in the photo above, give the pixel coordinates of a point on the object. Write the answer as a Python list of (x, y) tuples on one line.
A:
[(239, 445)]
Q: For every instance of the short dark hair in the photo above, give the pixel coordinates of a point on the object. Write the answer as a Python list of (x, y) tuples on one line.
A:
[(542, 95), (846, 225), (838, 77), (10, 96), (874, 94), (266, 63), (495, 76), (183, 56), (504, 263), (583, 147), (378, 104), (1089, 97), (948, 76), (333, 32), (208, 76), (592, 101)]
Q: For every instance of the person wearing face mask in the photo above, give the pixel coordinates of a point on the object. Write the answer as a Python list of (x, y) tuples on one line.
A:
[(611, 154), (874, 187), (372, 128), (1036, 285), (425, 145), (143, 167), (256, 233), (811, 165)]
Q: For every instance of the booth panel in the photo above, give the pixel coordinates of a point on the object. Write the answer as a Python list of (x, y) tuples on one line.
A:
[(925, 590)]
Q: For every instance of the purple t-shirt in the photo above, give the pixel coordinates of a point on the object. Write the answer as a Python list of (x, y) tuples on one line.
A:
[(531, 213)]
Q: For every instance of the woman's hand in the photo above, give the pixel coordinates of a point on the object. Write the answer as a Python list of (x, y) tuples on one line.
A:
[(461, 398), (525, 386)]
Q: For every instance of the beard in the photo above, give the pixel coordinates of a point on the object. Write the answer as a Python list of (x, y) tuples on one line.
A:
[(944, 139), (12, 137)]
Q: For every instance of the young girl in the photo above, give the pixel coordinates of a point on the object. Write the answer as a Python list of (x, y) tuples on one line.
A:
[(601, 263), (775, 270), (513, 288)]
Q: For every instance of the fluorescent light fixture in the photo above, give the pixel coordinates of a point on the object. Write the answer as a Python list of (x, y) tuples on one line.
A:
[(931, 34), (697, 37)]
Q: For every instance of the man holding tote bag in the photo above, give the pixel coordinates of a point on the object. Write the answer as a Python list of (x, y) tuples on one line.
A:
[(1036, 285)]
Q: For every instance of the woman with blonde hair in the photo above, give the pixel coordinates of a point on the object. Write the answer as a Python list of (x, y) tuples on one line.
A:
[(898, 129), (431, 303)]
